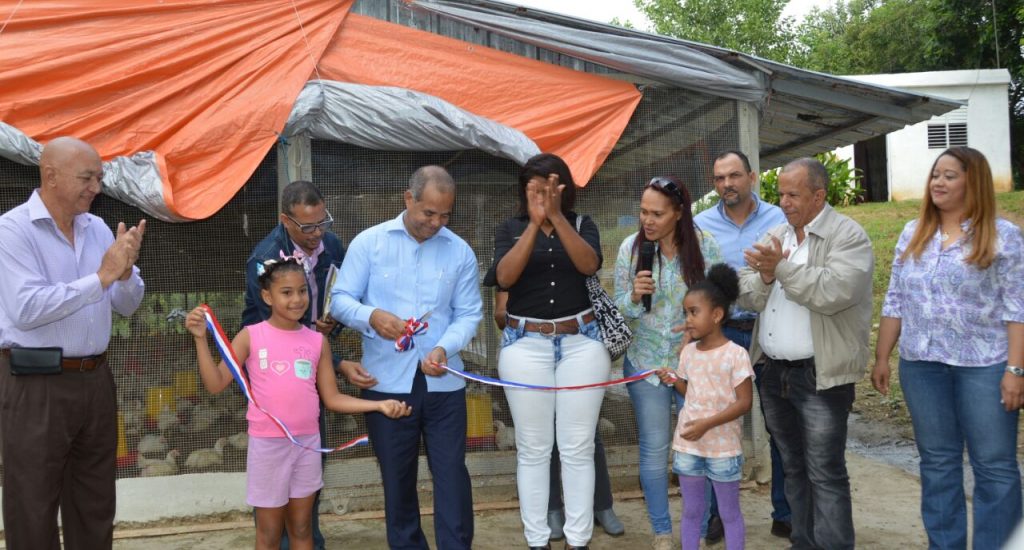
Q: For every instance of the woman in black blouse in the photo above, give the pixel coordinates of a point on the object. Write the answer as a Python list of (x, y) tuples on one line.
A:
[(551, 339)]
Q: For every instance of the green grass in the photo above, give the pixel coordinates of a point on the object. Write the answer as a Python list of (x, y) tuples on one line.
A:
[(883, 223)]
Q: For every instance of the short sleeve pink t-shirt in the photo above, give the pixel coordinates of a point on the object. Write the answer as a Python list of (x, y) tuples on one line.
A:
[(282, 368), (711, 379)]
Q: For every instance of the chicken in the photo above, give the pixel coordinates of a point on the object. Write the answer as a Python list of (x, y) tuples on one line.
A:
[(606, 428), (205, 459), (152, 445), (504, 436), (348, 423), (239, 441), (167, 466)]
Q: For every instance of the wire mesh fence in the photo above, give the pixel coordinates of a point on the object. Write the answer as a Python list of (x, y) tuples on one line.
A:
[(162, 405)]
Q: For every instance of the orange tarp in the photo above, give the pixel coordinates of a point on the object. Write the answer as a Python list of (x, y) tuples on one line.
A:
[(576, 115), (205, 84)]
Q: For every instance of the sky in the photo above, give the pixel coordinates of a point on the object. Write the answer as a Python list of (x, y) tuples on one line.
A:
[(605, 10)]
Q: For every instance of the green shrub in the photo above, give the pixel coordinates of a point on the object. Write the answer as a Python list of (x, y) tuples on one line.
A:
[(844, 181)]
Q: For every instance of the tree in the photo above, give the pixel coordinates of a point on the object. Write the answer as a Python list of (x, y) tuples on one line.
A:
[(865, 36), (750, 26)]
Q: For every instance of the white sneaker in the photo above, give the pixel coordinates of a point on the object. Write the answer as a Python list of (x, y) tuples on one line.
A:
[(664, 542)]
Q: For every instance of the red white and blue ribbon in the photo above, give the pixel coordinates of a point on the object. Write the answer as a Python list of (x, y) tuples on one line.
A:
[(416, 327), (413, 327), (227, 353), (509, 384)]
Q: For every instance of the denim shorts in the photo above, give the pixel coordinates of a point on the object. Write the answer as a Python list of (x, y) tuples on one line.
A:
[(724, 469)]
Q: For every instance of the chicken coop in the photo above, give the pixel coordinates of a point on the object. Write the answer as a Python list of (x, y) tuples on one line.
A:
[(678, 104)]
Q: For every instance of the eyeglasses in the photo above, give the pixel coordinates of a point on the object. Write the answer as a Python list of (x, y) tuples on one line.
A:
[(323, 226), (668, 186)]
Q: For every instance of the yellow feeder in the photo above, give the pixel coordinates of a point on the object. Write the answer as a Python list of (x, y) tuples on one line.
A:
[(122, 445), (479, 420), (159, 399), (185, 384)]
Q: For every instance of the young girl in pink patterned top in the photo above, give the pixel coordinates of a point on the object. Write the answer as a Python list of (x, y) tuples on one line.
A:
[(715, 376), (289, 368)]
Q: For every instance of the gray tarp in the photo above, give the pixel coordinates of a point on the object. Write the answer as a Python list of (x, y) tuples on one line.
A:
[(669, 63), (374, 117), (397, 119), (134, 180)]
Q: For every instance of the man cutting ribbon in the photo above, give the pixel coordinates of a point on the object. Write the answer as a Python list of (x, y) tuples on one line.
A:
[(394, 271)]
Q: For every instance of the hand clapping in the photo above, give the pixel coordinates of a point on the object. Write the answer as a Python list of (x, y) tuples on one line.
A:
[(764, 258)]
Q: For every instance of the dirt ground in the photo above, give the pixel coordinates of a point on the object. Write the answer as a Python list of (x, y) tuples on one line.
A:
[(885, 510)]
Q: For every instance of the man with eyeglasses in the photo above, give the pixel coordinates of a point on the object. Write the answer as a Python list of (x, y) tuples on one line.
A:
[(304, 230)]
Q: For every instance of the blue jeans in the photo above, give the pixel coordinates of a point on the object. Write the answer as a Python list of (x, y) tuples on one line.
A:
[(652, 406), (950, 406), (780, 508), (809, 427)]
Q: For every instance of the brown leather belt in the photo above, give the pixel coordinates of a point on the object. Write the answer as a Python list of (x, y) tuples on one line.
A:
[(568, 326), (74, 363)]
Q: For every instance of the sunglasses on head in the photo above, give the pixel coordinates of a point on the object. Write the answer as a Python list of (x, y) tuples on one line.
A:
[(668, 186)]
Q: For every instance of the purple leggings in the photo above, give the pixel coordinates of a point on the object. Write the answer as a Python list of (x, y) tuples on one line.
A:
[(728, 493)]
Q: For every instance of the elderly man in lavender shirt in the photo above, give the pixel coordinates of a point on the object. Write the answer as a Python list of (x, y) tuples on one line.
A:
[(65, 272)]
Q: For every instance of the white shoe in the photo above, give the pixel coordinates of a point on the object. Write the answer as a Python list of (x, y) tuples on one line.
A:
[(664, 542)]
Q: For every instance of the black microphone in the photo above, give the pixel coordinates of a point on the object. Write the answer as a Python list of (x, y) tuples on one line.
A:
[(646, 263)]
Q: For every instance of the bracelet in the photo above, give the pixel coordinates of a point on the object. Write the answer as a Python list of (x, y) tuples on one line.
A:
[(1014, 370)]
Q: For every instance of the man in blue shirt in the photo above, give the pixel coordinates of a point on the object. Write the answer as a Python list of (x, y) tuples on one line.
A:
[(738, 220), (400, 269), (304, 229)]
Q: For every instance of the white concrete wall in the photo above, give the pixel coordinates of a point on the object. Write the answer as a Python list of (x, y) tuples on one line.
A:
[(147, 499), (988, 126)]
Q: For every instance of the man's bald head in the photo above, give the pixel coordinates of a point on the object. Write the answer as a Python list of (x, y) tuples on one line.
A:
[(71, 175), (59, 151)]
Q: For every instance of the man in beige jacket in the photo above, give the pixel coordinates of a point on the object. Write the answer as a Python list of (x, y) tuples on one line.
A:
[(810, 279)]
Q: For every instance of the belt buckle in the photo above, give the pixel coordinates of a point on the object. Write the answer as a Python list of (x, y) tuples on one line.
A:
[(554, 328)]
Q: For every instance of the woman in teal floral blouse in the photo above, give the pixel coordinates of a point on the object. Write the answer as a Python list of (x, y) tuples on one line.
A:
[(683, 252)]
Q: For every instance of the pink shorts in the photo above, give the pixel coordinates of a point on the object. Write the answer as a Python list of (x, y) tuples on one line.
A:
[(278, 470)]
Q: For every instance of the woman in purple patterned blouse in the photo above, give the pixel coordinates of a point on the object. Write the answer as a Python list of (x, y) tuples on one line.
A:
[(956, 304)]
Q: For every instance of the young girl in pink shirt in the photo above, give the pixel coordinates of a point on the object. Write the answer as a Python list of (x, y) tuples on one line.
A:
[(715, 376), (289, 369)]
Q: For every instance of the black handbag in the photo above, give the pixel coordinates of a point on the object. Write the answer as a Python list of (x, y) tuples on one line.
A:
[(615, 332)]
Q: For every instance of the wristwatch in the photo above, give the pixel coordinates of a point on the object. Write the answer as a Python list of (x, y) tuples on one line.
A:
[(1014, 370)]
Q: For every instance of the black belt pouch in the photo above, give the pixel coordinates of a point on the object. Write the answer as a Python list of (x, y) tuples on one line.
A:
[(36, 361)]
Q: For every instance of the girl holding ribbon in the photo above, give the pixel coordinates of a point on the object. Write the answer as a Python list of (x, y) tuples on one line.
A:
[(551, 339), (715, 376), (287, 365)]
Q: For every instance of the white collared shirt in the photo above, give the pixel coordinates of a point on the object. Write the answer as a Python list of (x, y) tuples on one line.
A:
[(785, 329)]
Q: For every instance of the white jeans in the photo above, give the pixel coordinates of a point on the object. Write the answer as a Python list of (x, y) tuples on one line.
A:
[(541, 417)]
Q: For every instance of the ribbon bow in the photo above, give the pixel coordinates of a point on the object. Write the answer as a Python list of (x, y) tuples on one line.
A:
[(413, 327), (297, 256)]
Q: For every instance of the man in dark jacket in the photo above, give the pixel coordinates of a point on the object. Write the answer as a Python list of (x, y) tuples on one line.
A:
[(305, 226), (305, 229)]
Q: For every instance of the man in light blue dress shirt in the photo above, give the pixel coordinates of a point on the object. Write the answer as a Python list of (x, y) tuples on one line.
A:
[(400, 269), (738, 220), (65, 271)]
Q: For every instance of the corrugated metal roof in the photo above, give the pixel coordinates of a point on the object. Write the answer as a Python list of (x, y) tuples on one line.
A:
[(805, 112)]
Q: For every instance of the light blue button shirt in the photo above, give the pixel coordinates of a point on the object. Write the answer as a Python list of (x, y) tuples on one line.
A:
[(51, 294), (734, 239), (386, 268)]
